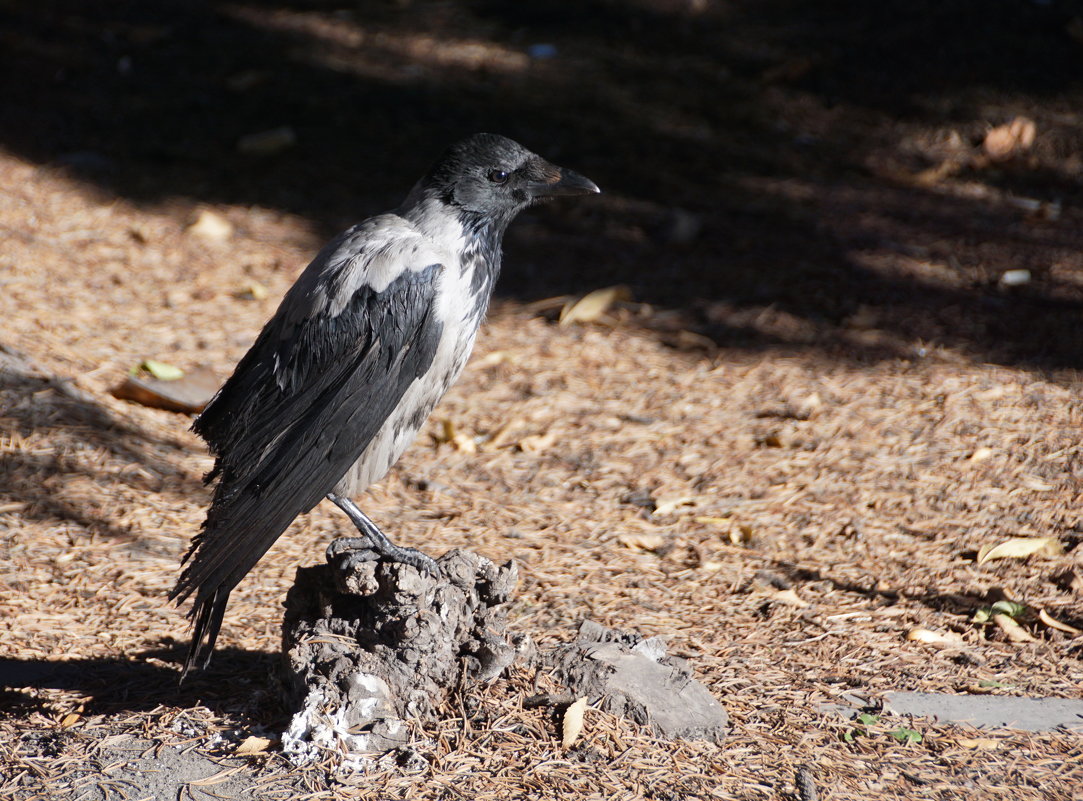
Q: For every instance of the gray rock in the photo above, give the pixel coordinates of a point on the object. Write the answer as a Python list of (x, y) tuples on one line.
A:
[(369, 644), (635, 678), (990, 711)]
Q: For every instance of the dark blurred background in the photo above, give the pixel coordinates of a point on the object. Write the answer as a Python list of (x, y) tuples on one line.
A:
[(776, 172)]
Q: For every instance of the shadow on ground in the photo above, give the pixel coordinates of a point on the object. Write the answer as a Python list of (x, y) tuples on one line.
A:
[(743, 147), (45, 482), (146, 681)]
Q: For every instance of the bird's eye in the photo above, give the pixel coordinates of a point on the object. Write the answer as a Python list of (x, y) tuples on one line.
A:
[(498, 176)]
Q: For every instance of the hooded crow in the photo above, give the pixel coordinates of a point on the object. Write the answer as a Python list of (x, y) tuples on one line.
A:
[(345, 373)]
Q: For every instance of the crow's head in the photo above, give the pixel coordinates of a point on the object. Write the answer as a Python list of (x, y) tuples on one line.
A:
[(492, 176)]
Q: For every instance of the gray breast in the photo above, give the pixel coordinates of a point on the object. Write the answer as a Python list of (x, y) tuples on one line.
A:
[(461, 305)]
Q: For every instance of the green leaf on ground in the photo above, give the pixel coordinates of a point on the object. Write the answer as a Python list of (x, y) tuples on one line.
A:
[(906, 736), (1009, 608), (160, 370)]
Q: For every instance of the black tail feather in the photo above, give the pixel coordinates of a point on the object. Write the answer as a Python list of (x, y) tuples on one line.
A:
[(206, 618), (239, 528)]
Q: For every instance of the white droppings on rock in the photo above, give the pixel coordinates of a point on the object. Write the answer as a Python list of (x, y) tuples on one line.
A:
[(371, 644)]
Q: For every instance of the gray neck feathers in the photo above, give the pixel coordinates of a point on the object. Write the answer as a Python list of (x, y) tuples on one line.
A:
[(476, 238)]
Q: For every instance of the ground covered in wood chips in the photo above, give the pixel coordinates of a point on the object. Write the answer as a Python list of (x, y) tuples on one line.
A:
[(849, 363)]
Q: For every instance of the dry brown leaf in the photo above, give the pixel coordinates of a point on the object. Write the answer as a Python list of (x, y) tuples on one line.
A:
[(1019, 548), (1006, 141), (741, 534), (979, 743), (642, 542), (252, 290), (189, 392), (452, 436), (593, 305), (669, 504), (933, 175), (934, 637), (1053, 623), (573, 722), (211, 226), (70, 720), (160, 370), (537, 443), (789, 597), (771, 440), (253, 745), (1013, 630), (495, 358), (690, 340), (714, 521), (546, 305), (807, 408)]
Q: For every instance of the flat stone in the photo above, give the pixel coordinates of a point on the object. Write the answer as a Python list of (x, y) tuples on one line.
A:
[(635, 678), (188, 394), (990, 711)]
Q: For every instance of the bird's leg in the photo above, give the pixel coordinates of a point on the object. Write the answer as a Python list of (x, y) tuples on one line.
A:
[(375, 540)]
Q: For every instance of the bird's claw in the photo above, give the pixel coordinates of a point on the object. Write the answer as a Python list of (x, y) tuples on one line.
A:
[(350, 551), (347, 552), (415, 558), (374, 540)]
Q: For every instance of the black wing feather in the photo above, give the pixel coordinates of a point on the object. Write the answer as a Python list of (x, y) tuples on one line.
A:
[(297, 412)]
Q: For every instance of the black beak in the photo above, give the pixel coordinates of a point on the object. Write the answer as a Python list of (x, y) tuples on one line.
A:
[(559, 182)]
